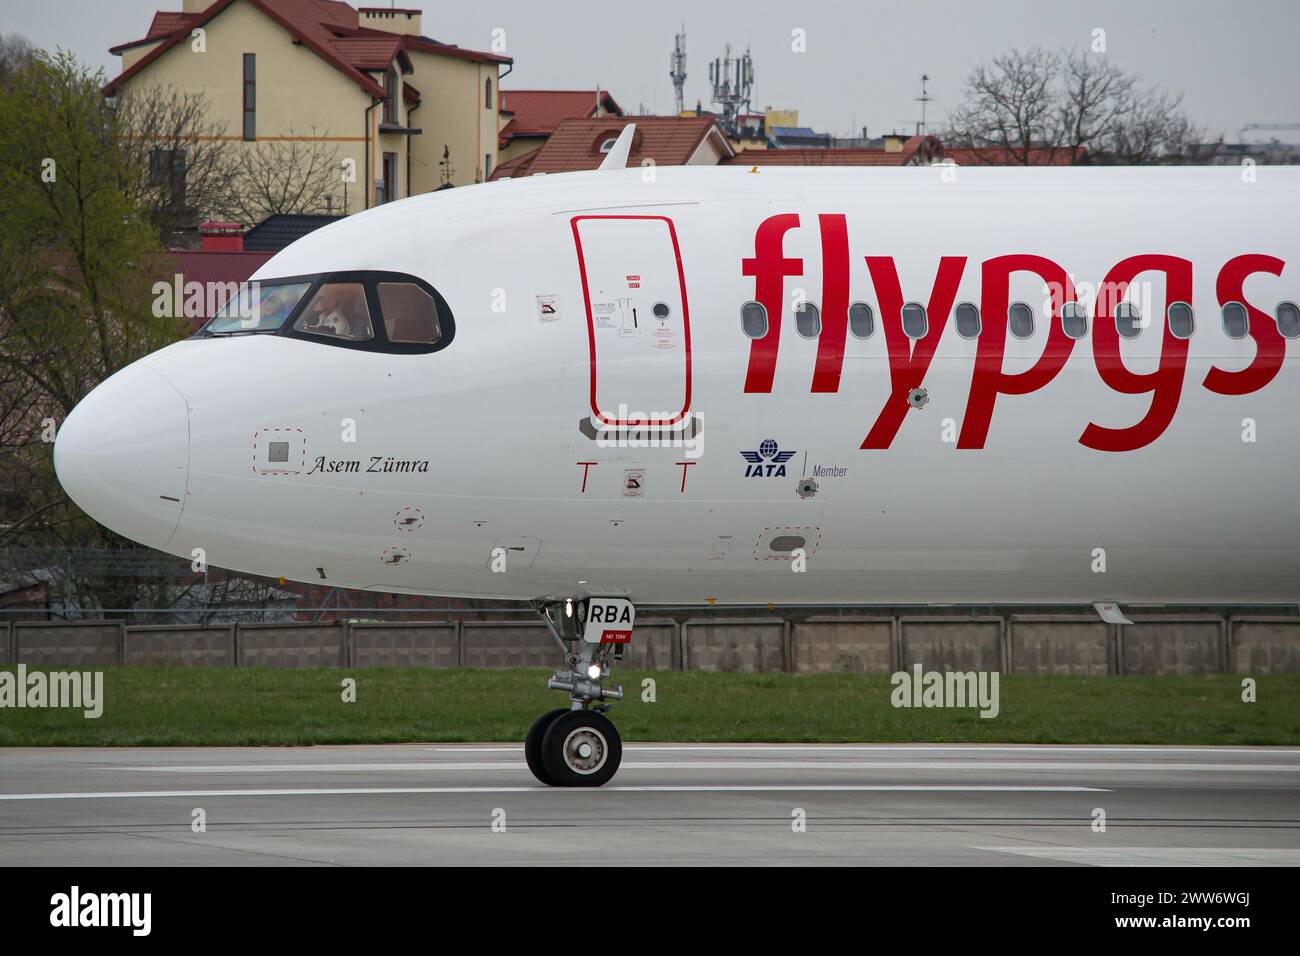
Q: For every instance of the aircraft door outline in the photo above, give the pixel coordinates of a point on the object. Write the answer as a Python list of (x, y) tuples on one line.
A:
[(634, 291)]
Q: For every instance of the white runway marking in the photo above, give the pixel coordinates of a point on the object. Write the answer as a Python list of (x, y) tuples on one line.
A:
[(1155, 855), (822, 765), (384, 791)]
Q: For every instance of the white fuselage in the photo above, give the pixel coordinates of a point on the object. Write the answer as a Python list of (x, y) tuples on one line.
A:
[(1062, 472)]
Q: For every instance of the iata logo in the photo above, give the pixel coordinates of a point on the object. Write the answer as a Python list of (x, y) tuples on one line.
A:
[(768, 462)]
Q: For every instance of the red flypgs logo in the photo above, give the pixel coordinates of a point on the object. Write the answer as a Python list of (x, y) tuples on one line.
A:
[(909, 359)]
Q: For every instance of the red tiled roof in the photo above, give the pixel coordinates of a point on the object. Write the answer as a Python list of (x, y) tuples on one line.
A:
[(164, 24), (514, 168), (368, 53), (321, 25), (922, 149), (538, 112), (339, 13), (997, 156), (668, 140), (812, 156)]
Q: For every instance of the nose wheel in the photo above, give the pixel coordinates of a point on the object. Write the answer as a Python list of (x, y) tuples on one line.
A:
[(580, 748), (577, 746)]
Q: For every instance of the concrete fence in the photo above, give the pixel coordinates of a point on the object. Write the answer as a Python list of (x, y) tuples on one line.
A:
[(1012, 644)]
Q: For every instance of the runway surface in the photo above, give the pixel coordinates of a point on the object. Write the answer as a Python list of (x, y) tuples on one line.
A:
[(670, 804)]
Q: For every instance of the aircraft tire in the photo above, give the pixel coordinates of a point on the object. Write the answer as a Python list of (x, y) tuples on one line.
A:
[(581, 748), (533, 745)]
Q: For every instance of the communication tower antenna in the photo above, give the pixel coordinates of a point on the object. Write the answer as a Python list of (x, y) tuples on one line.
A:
[(678, 71), (733, 85)]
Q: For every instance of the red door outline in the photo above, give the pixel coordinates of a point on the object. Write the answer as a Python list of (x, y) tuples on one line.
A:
[(591, 326)]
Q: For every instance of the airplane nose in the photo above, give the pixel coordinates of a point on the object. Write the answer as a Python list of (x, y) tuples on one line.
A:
[(123, 455)]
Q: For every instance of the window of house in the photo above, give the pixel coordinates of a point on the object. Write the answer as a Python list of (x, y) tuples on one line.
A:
[(915, 322), (967, 319), (753, 320), (390, 104), (862, 320), (608, 144), (250, 96), (410, 314), (386, 185), (1074, 320), (1020, 320), (338, 310), (488, 102)]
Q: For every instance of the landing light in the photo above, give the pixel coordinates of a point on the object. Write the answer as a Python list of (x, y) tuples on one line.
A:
[(593, 671)]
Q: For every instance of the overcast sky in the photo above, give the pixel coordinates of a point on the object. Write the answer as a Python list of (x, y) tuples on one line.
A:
[(1235, 62)]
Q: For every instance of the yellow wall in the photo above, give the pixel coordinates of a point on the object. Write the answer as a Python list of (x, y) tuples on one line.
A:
[(786, 118), (519, 146), (301, 95), (454, 113), (130, 56)]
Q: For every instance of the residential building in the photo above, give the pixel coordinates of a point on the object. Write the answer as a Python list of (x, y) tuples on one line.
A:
[(403, 113), (530, 116), (577, 144), (915, 151)]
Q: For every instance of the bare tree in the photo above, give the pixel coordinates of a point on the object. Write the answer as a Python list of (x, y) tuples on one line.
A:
[(184, 167), (1011, 107), (1040, 107), (293, 175), (1096, 99), (1155, 131), (14, 52)]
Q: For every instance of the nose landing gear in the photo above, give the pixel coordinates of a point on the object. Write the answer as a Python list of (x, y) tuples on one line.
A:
[(579, 746)]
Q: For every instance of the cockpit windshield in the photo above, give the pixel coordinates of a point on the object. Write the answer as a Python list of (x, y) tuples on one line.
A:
[(257, 307), (360, 310)]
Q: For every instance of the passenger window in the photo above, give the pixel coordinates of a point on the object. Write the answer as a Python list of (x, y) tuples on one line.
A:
[(808, 320), (1182, 323), (862, 321), (1236, 321), (1020, 320), (1074, 320), (1288, 319), (410, 314), (338, 310), (753, 320), (1128, 320), (967, 318), (915, 322)]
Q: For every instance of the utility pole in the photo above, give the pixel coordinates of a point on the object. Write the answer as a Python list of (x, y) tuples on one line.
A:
[(923, 99)]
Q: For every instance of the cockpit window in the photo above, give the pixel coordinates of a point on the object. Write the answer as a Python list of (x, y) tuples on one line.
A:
[(257, 307), (338, 310), (410, 314), (363, 310)]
